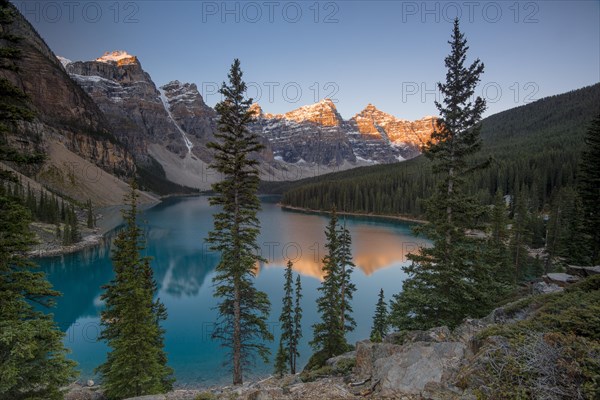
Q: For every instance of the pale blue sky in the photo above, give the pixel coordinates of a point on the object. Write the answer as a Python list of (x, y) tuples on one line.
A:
[(388, 53)]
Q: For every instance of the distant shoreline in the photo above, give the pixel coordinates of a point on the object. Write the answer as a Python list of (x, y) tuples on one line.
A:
[(355, 214), (109, 219)]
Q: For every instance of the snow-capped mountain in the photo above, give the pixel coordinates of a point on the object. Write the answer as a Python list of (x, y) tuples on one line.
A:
[(317, 133), (172, 125)]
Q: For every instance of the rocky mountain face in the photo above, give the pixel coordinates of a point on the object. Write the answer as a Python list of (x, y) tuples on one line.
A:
[(172, 125), (65, 116), (131, 102), (311, 134), (169, 125), (318, 134)]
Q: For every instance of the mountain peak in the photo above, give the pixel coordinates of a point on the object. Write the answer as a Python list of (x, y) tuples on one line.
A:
[(322, 113), (119, 57), (370, 107), (256, 109)]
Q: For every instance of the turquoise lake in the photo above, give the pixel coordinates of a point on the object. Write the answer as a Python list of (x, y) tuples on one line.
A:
[(184, 268)]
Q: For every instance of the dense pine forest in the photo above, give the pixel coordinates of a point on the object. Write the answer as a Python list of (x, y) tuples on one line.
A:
[(533, 150)]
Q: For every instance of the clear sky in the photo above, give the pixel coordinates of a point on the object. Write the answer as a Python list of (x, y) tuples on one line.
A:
[(388, 53)]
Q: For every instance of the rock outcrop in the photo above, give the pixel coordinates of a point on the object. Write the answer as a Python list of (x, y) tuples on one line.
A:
[(64, 113), (174, 117), (311, 134), (130, 101)]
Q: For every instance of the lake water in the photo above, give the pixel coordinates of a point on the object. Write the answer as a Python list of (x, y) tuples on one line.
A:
[(184, 268)]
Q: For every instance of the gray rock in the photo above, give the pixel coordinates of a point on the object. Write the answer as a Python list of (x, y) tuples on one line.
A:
[(368, 352), (560, 278), (395, 338), (543, 287), (334, 361), (78, 392), (583, 271), (435, 335), (266, 394), (417, 364)]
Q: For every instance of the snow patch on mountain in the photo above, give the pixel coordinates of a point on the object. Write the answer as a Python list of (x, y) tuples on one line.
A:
[(165, 103), (116, 57), (64, 61)]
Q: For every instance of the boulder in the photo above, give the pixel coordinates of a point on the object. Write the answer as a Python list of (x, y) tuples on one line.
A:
[(335, 361), (433, 335), (583, 271), (465, 332), (543, 287), (84, 394), (415, 365), (560, 278), (367, 353), (266, 394)]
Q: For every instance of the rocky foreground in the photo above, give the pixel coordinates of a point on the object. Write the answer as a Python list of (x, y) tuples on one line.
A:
[(546, 345)]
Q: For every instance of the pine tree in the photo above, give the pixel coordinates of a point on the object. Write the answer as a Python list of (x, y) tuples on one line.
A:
[(380, 319), (498, 241), (573, 227), (451, 279), (328, 334), (520, 237), (67, 239), (297, 324), (347, 287), (589, 190), (58, 233), (289, 320), (553, 232), (74, 226), (281, 361), (243, 310), (136, 364)]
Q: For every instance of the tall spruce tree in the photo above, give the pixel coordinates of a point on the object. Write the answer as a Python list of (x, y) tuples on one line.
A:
[(380, 319), (520, 237), (75, 234), (33, 363), (347, 287), (243, 310), (450, 280), (281, 361), (291, 315), (136, 364), (297, 324), (286, 319), (589, 190), (328, 334), (498, 241)]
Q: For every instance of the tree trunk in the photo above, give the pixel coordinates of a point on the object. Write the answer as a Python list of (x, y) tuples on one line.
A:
[(237, 314), (343, 300), (237, 339), (449, 206)]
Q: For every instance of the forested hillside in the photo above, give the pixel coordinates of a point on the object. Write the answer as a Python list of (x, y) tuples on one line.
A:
[(534, 152)]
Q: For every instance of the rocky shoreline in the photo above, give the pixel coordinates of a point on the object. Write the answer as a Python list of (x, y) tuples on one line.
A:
[(355, 214), (107, 219), (435, 364)]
